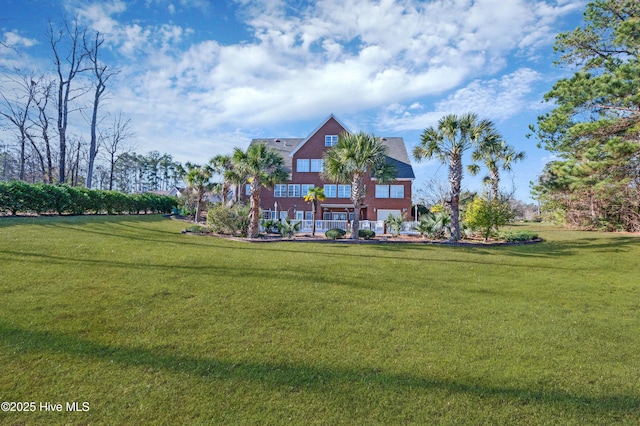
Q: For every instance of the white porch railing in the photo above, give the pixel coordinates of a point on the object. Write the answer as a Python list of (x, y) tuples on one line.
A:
[(375, 225)]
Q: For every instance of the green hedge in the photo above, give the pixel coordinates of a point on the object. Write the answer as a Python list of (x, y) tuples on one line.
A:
[(21, 197), (515, 236)]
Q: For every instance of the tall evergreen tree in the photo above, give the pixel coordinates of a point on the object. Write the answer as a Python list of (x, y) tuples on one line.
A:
[(594, 128)]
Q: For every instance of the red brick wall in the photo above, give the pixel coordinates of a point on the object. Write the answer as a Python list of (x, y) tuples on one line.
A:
[(314, 149)]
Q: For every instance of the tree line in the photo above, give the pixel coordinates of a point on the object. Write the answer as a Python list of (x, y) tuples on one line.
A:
[(594, 127)]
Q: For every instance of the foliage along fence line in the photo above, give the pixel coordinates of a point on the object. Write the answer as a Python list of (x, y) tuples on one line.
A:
[(21, 197)]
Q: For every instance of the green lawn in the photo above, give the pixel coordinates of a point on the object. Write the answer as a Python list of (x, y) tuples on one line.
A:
[(151, 326)]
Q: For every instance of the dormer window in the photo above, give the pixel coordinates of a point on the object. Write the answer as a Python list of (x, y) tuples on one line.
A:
[(330, 140)]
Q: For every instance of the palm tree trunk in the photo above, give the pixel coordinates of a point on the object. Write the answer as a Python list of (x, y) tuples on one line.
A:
[(199, 203), (254, 210), (225, 192), (455, 179), (357, 195), (313, 216), (495, 182)]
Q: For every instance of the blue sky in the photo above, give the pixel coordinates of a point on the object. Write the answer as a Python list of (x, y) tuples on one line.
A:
[(199, 77)]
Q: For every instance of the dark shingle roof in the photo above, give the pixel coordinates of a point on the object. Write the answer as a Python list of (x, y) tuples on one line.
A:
[(396, 152)]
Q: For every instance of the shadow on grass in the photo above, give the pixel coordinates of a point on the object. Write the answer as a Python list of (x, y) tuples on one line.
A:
[(312, 378), (126, 228)]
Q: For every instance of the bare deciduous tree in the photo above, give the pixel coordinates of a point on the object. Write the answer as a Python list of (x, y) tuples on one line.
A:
[(116, 141), (101, 74), (16, 108), (67, 67)]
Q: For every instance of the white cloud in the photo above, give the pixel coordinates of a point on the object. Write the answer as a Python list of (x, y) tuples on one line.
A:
[(14, 40), (340, 56), (496, 99)]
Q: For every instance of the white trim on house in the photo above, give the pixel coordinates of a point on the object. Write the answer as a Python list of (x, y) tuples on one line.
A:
[(339, 206)]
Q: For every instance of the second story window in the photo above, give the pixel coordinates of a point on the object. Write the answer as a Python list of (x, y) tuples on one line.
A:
[(316, 165), (294, 190), (304, 189), (303, 165), (280, 190), (330, 140), (344, 191), (330, 191), (396, 191)]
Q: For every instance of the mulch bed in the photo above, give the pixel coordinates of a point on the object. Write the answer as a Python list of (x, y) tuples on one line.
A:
[(380, 239)]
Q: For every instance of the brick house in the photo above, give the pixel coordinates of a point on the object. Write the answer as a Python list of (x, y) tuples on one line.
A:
[(303, 158)]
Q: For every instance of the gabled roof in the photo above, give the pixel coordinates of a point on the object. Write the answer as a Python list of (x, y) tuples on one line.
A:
[(316, 131), (396, 150), (283, 146)]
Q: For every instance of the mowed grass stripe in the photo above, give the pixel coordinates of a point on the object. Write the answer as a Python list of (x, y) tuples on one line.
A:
[(152, 326)]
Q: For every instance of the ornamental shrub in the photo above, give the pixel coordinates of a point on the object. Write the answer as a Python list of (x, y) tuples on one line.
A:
[(434, 225), (367, 234), (270, 225), (288, 228), (394, 224), (486, 216), (229, 220), (335, 233)]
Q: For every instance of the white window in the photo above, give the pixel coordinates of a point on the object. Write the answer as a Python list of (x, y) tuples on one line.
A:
[(382, 191), (299, 215), (303, 165), (280, 190), (304, 189), (396, 191), (308, 215), (330, 140), (344, 191), (330, 191), (283, 214), (316, 165), (266, 214), (247, 189), (294, 190)]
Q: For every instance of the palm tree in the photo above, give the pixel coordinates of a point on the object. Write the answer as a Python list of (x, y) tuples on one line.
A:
[(350, 160), (314, 195), (447, 142), (496, 154), (198, 178), (222, 165), (263, 166)]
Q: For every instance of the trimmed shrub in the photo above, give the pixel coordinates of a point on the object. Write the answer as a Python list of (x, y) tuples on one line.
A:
[(335, 233), (18, 196), (53, 198), (367, 234), (514, 236)]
